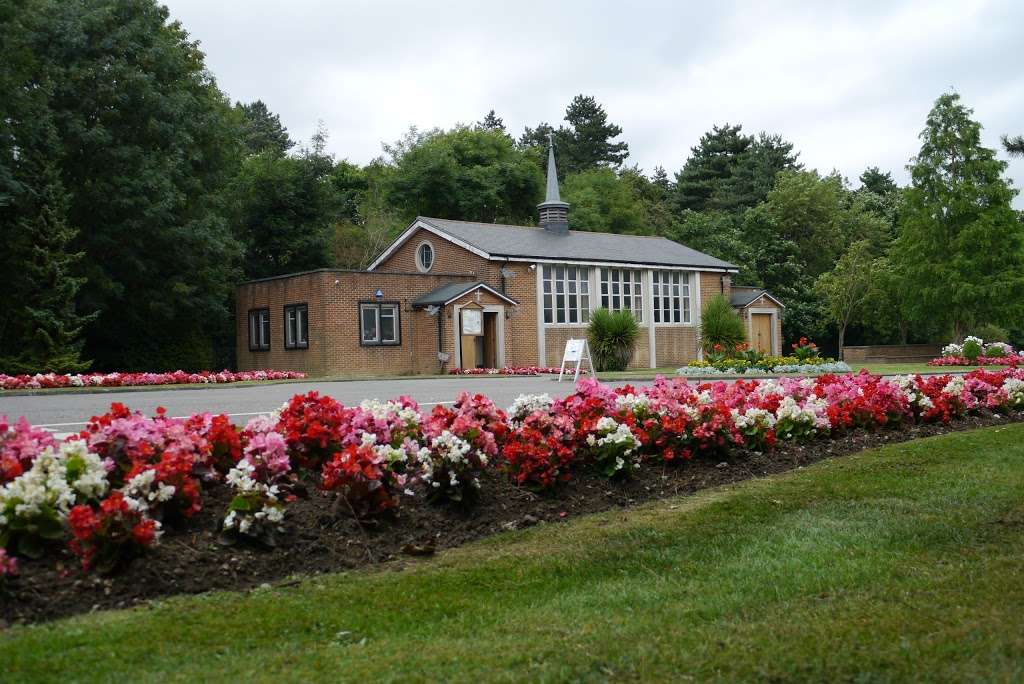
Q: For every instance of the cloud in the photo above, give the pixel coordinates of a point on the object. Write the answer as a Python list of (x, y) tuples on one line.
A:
[(849, 85)]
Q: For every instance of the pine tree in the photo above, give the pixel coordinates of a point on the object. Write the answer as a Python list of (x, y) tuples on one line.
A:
[(40, 327), (491, 122), (1014, 145), (590, 145), (262, 129), (961, 245)]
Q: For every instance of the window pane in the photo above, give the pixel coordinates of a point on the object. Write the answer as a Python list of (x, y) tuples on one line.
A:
[(546, 270), (265, 329), (559, 272), (303, 325), (388, 324), (369, 323)]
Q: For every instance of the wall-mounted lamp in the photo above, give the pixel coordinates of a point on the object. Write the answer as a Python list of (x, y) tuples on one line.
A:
[(533, 267)]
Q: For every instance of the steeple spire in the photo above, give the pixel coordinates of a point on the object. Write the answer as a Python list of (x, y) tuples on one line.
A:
[(552, 194), (554, 213)]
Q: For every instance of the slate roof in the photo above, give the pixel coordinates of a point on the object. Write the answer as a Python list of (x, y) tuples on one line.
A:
[(505, 241), (442, 295), (742, 295)]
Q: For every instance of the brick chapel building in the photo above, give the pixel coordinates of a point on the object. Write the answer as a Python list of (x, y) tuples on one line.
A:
[(456, 294)]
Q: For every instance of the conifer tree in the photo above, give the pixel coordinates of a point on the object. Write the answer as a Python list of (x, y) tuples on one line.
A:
[(961, 245)]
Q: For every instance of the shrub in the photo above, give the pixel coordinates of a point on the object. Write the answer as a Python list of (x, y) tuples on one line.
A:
[(998, 350), (972, 348), (720, 325), (992, 333), (612, 336)]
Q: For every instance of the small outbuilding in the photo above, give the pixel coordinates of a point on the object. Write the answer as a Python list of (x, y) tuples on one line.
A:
[(762, 315)]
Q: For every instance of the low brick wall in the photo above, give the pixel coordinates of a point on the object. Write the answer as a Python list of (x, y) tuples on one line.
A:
[(892, 353)]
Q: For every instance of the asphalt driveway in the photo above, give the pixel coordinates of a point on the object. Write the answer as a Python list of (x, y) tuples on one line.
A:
[(67, 412)]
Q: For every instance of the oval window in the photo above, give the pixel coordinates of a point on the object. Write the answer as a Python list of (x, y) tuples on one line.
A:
[(425, 256)]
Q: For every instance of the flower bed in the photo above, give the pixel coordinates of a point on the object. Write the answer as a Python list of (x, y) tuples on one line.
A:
[(769, 365), (974, 351), (51, 380), (507, 370), (154, 505)]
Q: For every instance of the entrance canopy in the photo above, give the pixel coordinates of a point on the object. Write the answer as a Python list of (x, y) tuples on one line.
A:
[(450, 292)]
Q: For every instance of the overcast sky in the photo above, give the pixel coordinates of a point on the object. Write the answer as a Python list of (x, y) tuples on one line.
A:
[(849, 84)]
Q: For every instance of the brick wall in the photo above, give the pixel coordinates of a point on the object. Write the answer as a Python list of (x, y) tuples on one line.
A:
[(333, 299), (521, 285)]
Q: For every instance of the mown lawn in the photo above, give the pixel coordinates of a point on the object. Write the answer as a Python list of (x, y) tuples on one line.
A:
[(901, 564)]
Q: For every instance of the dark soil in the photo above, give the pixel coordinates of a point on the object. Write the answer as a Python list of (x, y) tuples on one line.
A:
[(189, 560)]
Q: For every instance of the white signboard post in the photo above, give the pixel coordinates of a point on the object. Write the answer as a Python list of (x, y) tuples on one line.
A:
[(576, 351)]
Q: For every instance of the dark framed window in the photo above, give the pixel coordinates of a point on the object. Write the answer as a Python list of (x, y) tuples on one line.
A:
[(259, 329), (296, 326), (379, 324)]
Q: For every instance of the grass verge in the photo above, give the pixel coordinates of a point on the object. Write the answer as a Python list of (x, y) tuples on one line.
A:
[(901, 563)]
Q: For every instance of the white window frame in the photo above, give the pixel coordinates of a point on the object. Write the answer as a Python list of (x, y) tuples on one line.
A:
[(553, 287), (377, 308), (612, 285), (420, 266), (679, 295)]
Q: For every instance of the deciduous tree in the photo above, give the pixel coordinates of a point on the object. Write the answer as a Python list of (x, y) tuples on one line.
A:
[(847, 288)]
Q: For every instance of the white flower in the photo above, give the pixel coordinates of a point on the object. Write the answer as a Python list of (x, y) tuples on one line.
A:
[(49, 483), (633, 402), (752, 417), (953, 350), (525, 404)]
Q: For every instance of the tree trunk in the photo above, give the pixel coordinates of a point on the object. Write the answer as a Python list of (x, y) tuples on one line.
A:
[(842, 336), (904, 329)]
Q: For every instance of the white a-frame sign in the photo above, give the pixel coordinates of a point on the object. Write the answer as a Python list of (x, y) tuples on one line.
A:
[(576, 351)]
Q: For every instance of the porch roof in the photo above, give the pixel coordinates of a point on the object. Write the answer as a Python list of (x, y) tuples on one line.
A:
[(449, 292)]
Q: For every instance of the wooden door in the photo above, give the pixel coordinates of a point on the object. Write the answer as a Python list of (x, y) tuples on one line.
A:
[(490, 340), (761, 332), (471, 337)]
